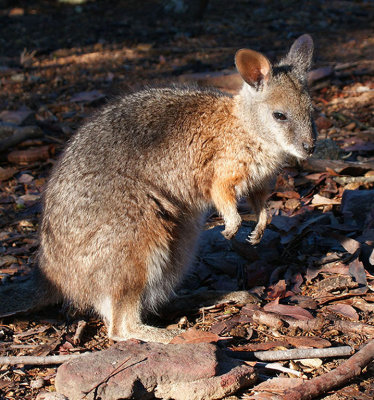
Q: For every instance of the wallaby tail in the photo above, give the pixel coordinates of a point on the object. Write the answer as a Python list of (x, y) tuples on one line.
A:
[(25, 296)]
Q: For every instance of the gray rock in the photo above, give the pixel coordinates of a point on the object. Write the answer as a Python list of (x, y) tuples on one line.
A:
[(138, 370)]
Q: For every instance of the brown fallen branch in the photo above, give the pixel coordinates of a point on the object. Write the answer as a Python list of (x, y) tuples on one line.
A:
[(37, 360), (339, 376), (19, 134), (321, 165), (298, 354)]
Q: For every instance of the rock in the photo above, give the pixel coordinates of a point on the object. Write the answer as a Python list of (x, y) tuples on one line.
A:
[(51, 396), (136, 370)]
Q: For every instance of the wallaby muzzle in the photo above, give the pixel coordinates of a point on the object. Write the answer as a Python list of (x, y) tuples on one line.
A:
[(309, 148)]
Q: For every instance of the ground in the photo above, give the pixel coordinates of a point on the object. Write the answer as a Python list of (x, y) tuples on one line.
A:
[(61, 61)]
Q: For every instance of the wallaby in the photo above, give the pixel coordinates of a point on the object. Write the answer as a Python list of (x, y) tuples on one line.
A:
[(125, 202)]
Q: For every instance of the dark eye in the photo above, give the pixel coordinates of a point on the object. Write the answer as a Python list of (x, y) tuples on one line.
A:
[(279, 116)]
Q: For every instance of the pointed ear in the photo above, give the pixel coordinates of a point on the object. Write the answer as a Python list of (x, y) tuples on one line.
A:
[(301, 53), (253, 67)]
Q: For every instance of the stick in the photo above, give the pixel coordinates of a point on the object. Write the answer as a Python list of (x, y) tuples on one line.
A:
[(20, 135), (37, 360), (297, 354), (337, 377)]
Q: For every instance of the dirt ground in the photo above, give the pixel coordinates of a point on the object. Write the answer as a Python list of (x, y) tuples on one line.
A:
[(61, 61)]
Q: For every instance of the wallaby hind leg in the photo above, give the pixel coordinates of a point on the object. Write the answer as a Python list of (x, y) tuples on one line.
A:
[(125, 323)]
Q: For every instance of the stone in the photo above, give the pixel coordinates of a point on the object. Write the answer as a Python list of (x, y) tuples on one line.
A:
[(136, 370)]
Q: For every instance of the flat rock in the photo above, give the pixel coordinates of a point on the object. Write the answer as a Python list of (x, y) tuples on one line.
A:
[(137, 370)]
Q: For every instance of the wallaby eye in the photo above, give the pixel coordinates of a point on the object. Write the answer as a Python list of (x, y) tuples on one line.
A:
[(279, 116)]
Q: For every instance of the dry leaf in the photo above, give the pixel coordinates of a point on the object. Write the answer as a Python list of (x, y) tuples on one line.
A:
[(291, 311), (345, 310)]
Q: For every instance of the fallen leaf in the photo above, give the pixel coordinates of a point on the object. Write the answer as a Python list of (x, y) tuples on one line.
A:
[(277, 291), (291, 311), (345, 310), (357, 271), (289, 194), (351, 245), (319, 200), (313, 363)]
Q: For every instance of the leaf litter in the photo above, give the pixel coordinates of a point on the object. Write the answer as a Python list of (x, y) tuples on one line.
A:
[(312, 274)]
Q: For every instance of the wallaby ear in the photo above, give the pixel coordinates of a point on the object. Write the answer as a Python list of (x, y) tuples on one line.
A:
[(253, 67), (301, 53)]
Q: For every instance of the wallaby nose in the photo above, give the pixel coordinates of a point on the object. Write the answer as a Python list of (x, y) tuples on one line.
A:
[(308, 148)]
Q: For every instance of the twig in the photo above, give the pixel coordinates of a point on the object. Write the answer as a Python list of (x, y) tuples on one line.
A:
[(37, 360), (296, 354), (19, 135), (339, 376)]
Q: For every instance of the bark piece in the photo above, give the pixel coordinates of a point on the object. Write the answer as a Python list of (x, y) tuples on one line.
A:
[(181, 371)]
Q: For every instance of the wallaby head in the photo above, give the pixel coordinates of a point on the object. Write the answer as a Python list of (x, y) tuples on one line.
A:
[(276, 100)]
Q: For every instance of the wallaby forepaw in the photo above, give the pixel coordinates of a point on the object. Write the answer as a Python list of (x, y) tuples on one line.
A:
[(255, 237), (229, 233)]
